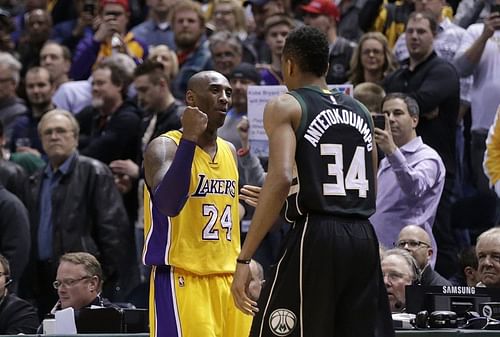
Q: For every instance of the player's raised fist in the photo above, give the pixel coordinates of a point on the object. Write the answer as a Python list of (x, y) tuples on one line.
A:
[(194, 123)]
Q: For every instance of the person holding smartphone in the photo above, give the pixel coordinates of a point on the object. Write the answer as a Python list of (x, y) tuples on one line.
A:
[(410, 177), (110, 37)]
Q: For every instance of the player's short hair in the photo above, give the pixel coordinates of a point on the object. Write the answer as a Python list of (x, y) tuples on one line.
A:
[(308, 47)]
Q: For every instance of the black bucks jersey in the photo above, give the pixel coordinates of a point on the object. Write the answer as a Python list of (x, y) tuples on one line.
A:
[(333, 171)]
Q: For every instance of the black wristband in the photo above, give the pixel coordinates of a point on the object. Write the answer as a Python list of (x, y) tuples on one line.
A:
[(243, 261)]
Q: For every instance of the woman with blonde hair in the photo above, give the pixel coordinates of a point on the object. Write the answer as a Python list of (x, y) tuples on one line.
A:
[(372, 59)]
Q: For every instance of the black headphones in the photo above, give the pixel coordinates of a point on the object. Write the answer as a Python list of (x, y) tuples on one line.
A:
[(436, 319), (8, 280)]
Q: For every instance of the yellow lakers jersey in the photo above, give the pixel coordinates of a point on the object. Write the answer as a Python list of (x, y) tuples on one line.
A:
[(205, 237)]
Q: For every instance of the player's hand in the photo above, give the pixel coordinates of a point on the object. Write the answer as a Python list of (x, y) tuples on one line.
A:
[(194, 123), (239, 288), (250, 194)]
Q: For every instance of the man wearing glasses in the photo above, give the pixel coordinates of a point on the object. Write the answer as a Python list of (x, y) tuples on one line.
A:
[(417, 242), (79, 282)]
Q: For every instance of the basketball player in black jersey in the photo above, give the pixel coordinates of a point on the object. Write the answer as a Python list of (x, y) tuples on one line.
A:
[(322, 168)]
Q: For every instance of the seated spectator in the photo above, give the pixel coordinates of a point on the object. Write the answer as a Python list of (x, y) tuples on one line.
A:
[(488, 257), (399, 269), (417, 242), (410, 177), (324, 15), (110, 37), (15, 238), (468, 274), (156, 29), (79, 282), (11, 106), (16, 315), (276, 30), (226, 52), (372, 60), (56, 58)]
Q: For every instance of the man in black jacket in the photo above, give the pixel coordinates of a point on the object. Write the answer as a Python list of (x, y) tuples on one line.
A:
[(16, 315), (76, 207)]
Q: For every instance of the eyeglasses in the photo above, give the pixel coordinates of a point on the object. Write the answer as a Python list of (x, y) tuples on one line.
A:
[(223, 13), (370, 51), (411, 244), (224, 54), (394, 276), (58, 131), (69, 282)]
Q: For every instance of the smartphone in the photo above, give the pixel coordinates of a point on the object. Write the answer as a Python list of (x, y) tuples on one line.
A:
[(495, 8), (89, 7), (379, 121)]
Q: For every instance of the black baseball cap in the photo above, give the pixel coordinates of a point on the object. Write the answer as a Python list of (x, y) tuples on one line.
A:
[(246, 71)]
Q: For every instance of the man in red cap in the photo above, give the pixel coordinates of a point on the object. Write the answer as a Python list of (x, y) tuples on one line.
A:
[(324, 15), (110, 37)]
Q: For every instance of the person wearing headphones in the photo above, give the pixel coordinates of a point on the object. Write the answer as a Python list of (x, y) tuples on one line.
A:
[(16, 315)]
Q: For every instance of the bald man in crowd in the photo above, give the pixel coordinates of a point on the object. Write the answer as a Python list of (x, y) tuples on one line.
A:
[(418, 242)]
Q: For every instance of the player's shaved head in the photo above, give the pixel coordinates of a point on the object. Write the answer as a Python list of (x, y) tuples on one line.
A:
[(197, 81)]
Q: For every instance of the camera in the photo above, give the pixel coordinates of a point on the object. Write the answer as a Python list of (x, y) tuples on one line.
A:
[(495, 8), (89, 7), (379, 121)]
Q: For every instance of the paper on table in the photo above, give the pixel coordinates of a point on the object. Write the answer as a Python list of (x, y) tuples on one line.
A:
[(65, 322)]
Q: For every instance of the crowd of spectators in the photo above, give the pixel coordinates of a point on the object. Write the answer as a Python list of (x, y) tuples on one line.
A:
[(85, 85)]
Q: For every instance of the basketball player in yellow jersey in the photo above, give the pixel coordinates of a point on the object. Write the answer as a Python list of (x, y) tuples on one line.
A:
[(191, 220)]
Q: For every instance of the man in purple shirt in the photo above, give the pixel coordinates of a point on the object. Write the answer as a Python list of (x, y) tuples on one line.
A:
[(410, 177)]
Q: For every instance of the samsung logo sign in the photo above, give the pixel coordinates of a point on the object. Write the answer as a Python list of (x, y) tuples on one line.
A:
[(456, 290)]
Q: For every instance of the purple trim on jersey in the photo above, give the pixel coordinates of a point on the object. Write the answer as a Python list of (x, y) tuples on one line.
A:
[(157, 244), (166, 321), (173, 191)]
